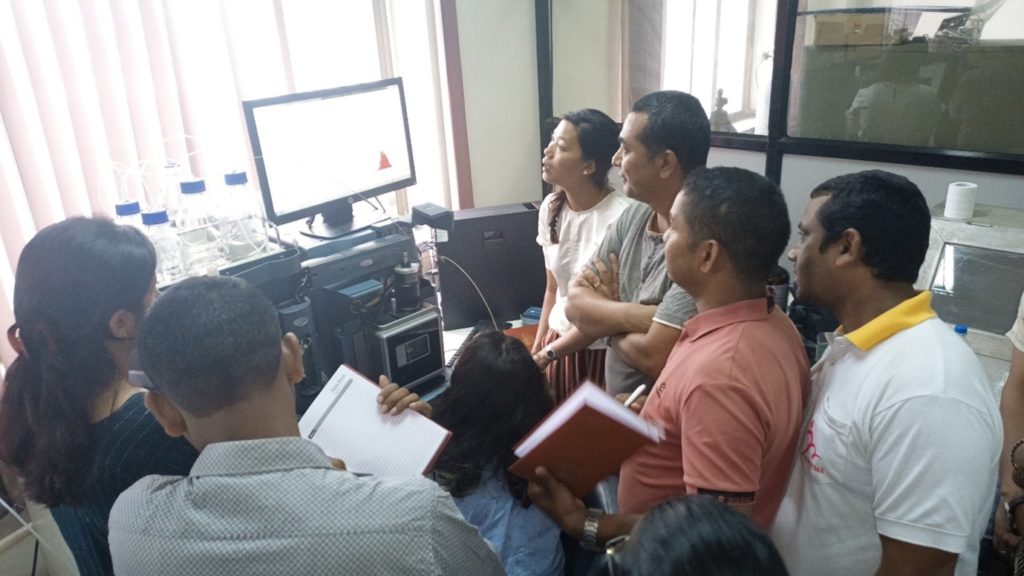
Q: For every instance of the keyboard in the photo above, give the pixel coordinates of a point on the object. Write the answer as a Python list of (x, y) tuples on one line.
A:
[(480, 327)]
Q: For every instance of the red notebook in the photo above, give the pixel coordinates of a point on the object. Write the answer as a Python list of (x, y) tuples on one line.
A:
[(585, 439)]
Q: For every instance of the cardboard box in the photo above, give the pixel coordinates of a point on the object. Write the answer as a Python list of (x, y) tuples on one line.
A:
[(850, 29)]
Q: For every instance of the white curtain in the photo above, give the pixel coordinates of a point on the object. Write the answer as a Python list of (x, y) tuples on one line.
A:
[(97, 95)]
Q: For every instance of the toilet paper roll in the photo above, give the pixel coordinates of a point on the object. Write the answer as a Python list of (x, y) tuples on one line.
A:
[(960, 200)]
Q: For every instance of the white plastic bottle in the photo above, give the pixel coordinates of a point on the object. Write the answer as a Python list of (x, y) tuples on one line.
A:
[(128, 214), (170, 265), (197, 228), (242, 231), (171, 179)]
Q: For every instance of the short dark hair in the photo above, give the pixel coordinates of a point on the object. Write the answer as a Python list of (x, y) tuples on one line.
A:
[(208, 342), (745, 212), (699, 535), (598, 136), (497, 395), (676, 121), (891, 215)]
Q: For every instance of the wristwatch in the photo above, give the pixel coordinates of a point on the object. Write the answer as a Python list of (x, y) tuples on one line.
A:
[(589, 540), (549, 353)]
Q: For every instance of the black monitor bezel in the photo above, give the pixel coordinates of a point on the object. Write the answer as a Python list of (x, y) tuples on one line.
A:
[(341, 203)]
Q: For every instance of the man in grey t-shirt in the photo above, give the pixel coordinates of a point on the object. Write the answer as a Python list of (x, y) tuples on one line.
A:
[(628, 296)]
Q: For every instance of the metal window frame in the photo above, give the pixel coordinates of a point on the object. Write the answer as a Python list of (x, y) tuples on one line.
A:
[(778, 143)]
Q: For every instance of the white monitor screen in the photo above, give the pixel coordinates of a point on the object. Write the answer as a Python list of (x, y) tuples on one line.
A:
[(317, 150)]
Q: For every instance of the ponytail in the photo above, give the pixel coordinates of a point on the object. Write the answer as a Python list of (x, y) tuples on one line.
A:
[(71, 279), (554, 212)]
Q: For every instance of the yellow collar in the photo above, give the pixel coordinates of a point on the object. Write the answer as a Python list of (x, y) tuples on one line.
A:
[(906, 314)]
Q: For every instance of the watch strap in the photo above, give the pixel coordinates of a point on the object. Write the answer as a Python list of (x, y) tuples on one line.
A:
[(589, 540)]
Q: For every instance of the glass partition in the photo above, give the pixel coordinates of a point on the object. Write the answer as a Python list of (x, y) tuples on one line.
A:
[(947, 75), (977, 286)]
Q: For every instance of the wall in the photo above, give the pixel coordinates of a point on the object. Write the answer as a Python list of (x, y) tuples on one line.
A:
[(800, 174), (498, 47), (585, 46), (585, 75)]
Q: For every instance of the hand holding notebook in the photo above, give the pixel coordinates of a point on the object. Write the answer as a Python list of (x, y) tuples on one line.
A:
[(346, 422), (585, 439)]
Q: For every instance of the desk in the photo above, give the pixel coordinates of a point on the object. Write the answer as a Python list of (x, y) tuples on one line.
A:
[(453, 341)]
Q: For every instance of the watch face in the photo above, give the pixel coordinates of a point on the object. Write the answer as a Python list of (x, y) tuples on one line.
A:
[(550, 353)]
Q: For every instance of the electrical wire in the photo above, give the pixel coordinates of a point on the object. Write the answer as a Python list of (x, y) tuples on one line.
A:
[(39, 539), (468, 277)]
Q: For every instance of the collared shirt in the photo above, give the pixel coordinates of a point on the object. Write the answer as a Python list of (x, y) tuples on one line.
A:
[(276, 506), (901, 439), (643, 279), (526, 539), (730, 399)]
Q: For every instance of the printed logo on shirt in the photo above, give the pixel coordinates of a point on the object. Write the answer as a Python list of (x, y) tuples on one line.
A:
[(661, 388), (810, 451)]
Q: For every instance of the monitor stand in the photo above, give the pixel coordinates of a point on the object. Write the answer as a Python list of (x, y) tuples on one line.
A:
[(339, 222)]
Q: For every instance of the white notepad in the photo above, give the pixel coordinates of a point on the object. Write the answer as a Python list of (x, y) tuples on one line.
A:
[(345, 421)]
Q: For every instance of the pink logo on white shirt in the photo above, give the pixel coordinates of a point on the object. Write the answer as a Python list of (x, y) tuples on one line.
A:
[(810, 451)]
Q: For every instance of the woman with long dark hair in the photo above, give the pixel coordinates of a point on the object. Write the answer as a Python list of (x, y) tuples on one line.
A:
[(572, 224), (71, 424), (497, 395)]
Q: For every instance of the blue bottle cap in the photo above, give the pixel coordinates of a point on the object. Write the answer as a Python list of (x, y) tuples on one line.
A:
[(235, 178), (193, 186), (127, 208), (154, 218), (960, 329)]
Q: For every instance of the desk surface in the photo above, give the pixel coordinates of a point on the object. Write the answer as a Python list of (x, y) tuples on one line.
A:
[(453, 341)]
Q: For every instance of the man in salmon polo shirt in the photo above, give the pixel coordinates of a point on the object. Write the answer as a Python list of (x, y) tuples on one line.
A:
[(897, 465), (731, 395)]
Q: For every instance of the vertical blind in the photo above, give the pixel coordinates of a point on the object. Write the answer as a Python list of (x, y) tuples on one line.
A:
[(97, 95)]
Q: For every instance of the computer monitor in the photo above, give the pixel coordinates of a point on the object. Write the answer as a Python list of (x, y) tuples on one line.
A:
[(320, 152)]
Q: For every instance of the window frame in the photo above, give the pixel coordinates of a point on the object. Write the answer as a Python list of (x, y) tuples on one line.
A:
[(777, 143)]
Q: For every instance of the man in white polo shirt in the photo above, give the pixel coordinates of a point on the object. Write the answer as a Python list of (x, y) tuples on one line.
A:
[(896, 470)]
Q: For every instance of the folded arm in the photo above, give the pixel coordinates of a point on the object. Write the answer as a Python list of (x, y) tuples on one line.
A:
[(593, 303), (647, 351)]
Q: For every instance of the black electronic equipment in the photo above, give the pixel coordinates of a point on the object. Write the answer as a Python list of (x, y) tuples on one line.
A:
[(320, 152), (297, 318), (408, 349), (430, 214), (281, 278), (497, 247), (355, 303)]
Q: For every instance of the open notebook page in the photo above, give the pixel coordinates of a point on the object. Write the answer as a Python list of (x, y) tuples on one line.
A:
[(344, 420)]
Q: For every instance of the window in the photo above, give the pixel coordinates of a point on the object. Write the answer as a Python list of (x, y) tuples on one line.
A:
[(98, 96), (946, 76), (720, 51)]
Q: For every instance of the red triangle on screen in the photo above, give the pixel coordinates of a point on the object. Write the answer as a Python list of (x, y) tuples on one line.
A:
[(384, 162)]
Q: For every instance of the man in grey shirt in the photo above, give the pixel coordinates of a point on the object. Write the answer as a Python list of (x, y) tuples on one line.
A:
[(628, 296), (260, 499)]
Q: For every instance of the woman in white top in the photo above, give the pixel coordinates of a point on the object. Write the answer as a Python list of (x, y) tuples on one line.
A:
[(572, 223)]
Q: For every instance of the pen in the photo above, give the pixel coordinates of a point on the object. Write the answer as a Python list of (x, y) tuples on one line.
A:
[(636, 394)]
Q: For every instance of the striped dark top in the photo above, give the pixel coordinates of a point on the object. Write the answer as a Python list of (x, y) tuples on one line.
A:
[(126, 446)]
